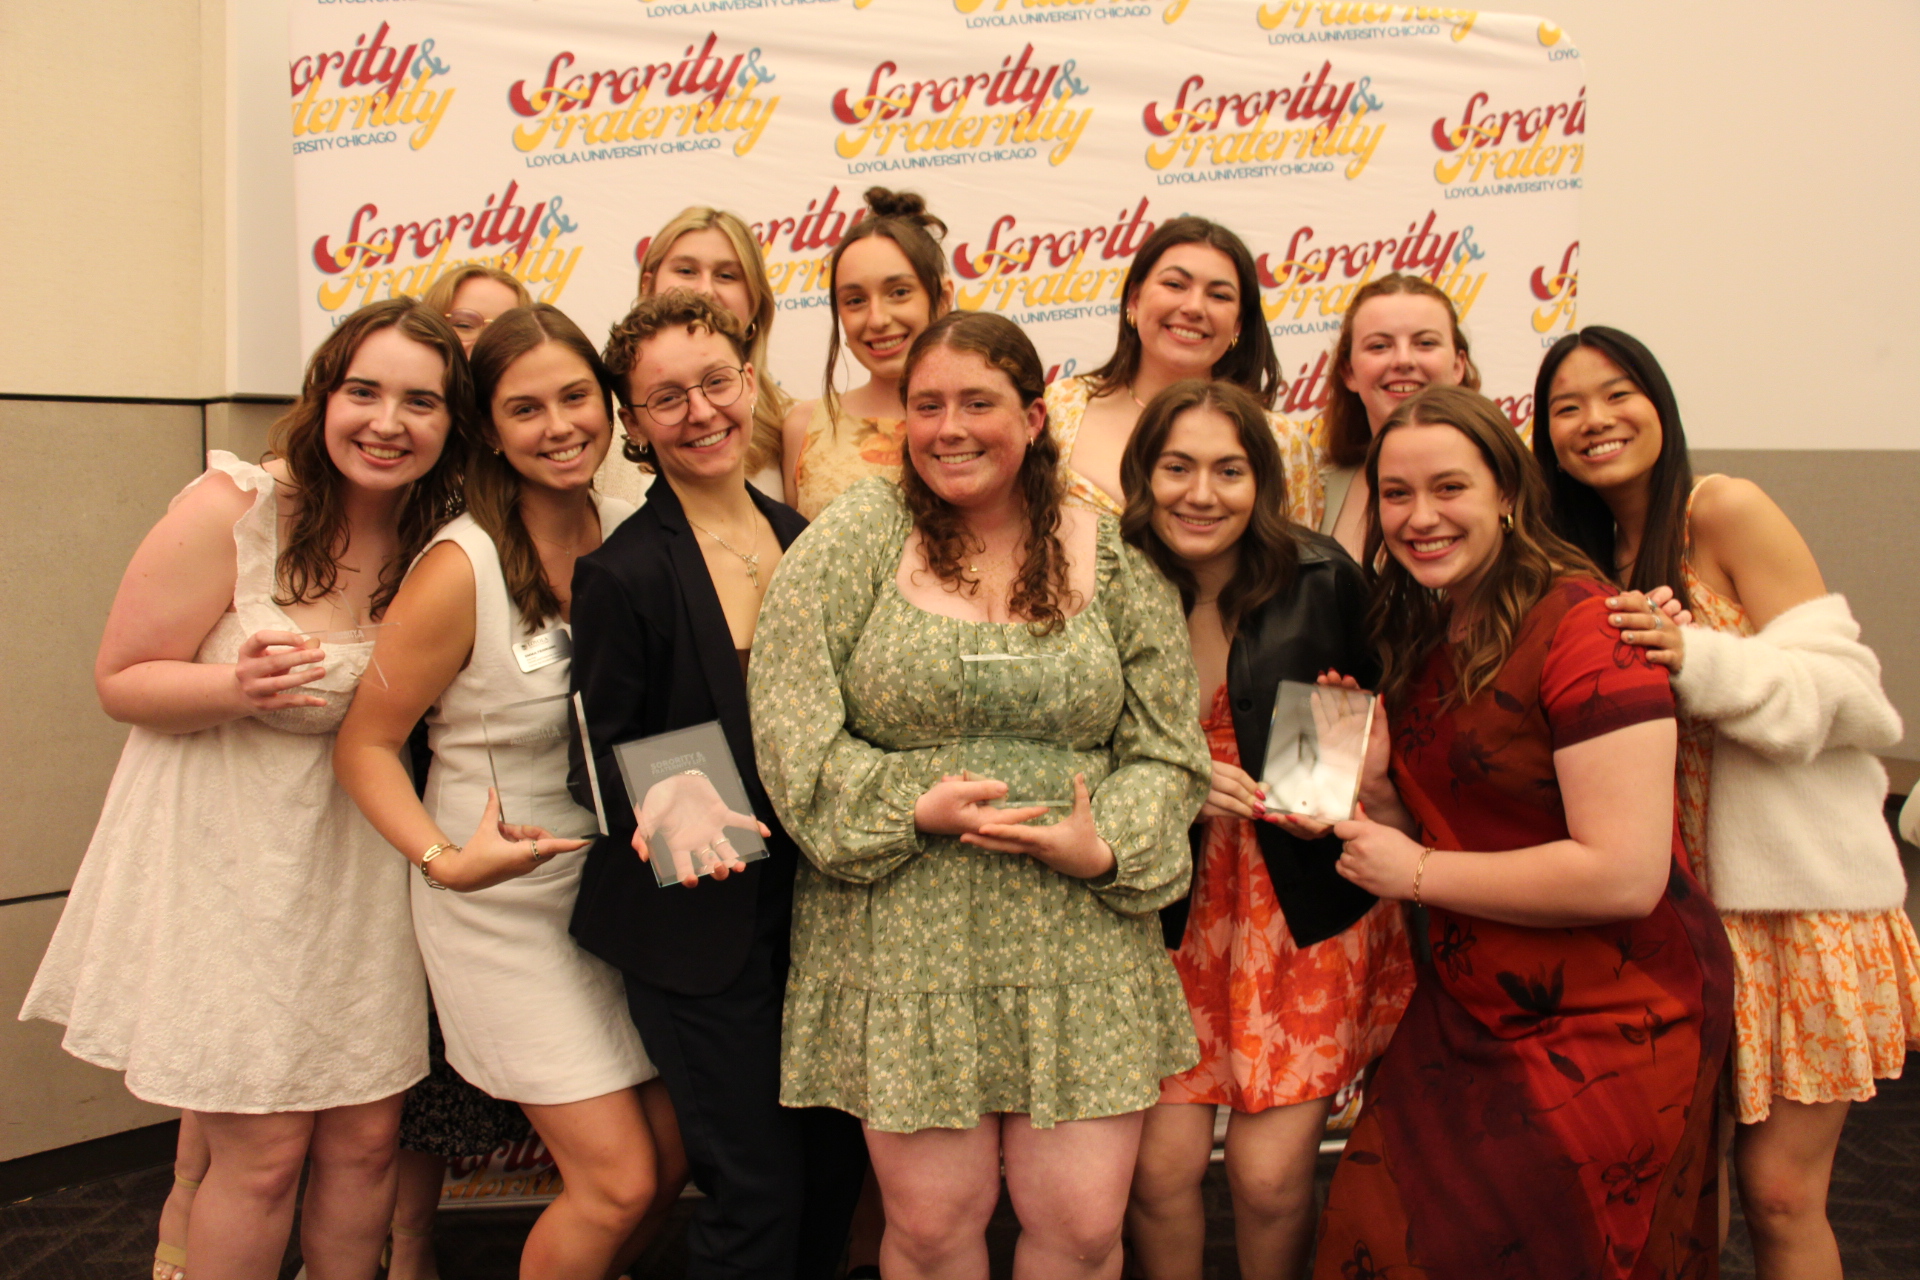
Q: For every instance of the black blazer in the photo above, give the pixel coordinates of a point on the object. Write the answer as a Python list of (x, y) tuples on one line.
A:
[(1320, 623), (651, 653)]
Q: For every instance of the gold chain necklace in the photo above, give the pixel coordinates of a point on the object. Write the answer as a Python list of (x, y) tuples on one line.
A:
[(750, 559)]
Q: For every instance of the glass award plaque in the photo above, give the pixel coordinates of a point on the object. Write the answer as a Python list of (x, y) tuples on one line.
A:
[(689, 803), (534, 748), (367, 634), (1316, 747)]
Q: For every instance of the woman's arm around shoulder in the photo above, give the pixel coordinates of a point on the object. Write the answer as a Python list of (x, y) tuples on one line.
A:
[(848, 803), (1161, 765)]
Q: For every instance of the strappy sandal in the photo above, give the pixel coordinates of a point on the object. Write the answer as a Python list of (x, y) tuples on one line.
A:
[(170, 1260)]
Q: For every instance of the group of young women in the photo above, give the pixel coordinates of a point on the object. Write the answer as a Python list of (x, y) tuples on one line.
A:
[(1000, 712)]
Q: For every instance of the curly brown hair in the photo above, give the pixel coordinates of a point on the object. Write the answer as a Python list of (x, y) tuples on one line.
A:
[(1040, 592), (1348, 431), (308, 568), (653, 314), (1407, 619), (771, 408)]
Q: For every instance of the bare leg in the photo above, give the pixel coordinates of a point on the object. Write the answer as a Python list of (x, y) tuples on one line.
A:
[(669, 1173), (1069, 1186), (350, 1187), (1785, 1163), (1166, 1219), (605, 1154), (244, 1208), (189, 1170), (939, 1188), (422, 1175), (1270, 1159)]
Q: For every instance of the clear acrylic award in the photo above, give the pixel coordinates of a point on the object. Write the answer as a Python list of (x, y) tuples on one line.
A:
[(367, 634), (1316, 748), (689, 803), (534, 748)]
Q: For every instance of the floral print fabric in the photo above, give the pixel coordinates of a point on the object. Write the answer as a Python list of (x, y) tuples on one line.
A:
[(1278, 1024), (840, 450), (1825, 1002), (932, 981), (1546, 1106)]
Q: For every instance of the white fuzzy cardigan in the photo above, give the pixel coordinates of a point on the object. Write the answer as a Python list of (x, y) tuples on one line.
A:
[(1794, 817)]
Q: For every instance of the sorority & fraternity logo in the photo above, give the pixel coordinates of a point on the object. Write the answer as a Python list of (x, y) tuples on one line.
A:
[(1049, 275), (1559, 295), (1025, 103), (383, 94), (1315, 126), (1515, 149), (378, 258), (707, 97)]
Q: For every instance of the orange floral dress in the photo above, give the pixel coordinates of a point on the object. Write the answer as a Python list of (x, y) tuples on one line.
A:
[(1824, 1002), (1278, 1024), (840, 450)]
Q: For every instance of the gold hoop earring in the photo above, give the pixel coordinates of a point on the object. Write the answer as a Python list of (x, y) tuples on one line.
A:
[(1132, 322), (1236, 342), (1506, 522)]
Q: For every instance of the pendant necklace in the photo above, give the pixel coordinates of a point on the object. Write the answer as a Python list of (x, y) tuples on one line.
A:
[(750, 559)]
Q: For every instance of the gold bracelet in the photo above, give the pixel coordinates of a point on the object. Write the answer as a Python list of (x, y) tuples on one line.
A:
[(445, 846), (1420, 873)]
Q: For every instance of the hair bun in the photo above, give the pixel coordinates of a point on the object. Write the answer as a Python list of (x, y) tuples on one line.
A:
[(908, 206)]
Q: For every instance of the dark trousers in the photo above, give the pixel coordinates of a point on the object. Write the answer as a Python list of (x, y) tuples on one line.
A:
[(780, 1183)]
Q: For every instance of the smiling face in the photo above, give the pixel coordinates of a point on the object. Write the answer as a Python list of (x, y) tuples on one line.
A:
[(705, 262), (1606, 433), (1187, 310), (966, 428), (550, 419), (1440, 508), (1203, 488), (477, 303), (1401, 343), (710, 442), (387, 421), (881, 304)]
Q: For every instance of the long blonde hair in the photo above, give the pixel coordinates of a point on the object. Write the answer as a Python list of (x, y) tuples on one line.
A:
[(770, 410)]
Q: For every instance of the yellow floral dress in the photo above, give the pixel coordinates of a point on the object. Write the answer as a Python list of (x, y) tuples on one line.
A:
[(934, 982), (840, 450), (1067, 408), (1825, 1002)]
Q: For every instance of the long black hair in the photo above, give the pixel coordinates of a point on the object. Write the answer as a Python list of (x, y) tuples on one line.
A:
[(1580, 515)]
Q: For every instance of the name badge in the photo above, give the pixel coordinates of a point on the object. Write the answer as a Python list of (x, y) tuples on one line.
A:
[(544, 650)]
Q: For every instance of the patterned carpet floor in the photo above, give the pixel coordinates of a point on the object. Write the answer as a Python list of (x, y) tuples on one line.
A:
[(103, 1230)]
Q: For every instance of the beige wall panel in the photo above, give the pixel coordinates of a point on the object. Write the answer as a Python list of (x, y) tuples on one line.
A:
[(49, 1098), (82, 485), (241, 427), (1858, 512), (104, 200)]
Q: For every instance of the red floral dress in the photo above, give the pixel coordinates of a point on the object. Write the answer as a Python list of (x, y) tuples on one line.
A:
[(1278, 1024), (1546, 1108)]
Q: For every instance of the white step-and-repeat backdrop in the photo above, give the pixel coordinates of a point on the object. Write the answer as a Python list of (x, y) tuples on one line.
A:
[(1342, 141)]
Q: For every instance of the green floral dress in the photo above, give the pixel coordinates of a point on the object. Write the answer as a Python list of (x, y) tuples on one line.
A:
[(934, 982)]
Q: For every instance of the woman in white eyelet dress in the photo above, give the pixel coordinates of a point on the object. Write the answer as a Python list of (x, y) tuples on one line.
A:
[(238, 938)]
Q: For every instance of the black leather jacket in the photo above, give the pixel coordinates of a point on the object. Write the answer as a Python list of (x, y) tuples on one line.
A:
[(1320, 624)]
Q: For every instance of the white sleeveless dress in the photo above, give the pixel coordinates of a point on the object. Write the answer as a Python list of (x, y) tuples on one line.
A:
[(528, 1016), (237, 939)]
